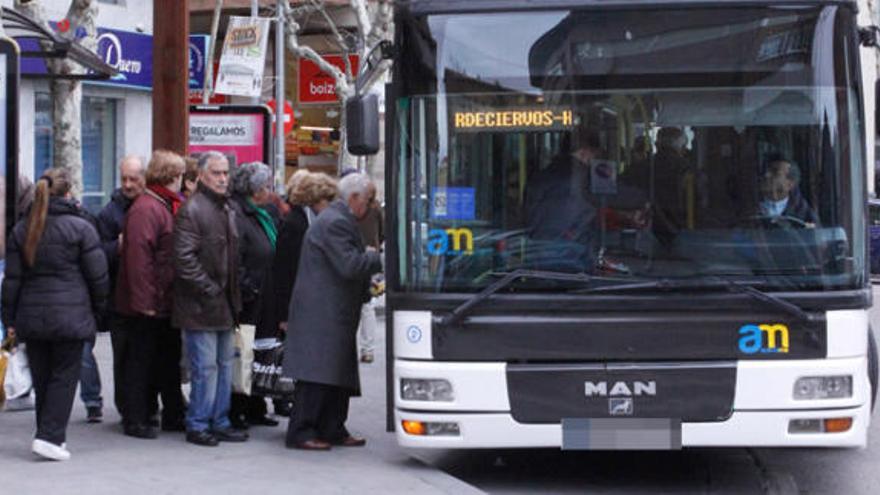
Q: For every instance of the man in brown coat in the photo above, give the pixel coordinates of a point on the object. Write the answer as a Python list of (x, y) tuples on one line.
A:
[(206, 300), (151, 353)]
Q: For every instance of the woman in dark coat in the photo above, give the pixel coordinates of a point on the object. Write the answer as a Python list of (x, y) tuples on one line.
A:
[(56, 282), (257, 227), (308, 194)]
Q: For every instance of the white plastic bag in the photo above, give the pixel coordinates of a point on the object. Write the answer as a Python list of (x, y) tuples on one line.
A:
[(244, 359), (18, 383)]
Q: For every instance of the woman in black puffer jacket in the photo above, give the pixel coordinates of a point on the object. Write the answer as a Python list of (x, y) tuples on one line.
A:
[(55, 283)]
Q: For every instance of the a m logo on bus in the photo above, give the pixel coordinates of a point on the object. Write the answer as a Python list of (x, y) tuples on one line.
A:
[(450, 241), (764, 338)]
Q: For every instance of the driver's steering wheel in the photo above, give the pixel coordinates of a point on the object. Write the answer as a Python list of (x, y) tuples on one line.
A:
[(779, 221)]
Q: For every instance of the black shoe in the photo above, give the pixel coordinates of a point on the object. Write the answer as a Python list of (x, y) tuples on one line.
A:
[(140, 431), (282, 407), (153, 421), (230, 435), (239, 423), (94, 415), (262, 421), (203, 438), (177, 425)]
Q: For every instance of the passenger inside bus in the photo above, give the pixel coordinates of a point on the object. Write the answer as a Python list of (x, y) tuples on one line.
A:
[(560, 214)]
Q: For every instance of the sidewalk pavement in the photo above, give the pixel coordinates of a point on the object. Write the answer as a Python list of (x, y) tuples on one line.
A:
[(104, 461)]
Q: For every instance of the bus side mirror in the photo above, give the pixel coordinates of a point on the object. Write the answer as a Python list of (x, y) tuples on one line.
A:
[(362, 124)]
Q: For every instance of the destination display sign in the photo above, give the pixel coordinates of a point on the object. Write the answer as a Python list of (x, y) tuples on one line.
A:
[(515, 119)]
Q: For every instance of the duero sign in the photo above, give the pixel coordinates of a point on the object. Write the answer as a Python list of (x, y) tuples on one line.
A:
[(129, 53)]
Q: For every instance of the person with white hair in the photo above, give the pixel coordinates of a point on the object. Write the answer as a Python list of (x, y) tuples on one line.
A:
[(257, 225), (321, 350)]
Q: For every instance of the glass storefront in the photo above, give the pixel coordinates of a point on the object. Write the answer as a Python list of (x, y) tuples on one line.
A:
[(99, 146)]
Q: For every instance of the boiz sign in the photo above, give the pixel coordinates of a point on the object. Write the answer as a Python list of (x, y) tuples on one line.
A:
[(315, 85)]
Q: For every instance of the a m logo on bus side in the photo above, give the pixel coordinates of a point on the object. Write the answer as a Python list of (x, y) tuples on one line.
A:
[(764, 338), (450, 241)]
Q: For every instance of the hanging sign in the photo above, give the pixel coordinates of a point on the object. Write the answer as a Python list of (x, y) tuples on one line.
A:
[(244, 57)]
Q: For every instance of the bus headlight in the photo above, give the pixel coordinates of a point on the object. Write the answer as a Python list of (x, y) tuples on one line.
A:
[(823, 387), (433, 390)]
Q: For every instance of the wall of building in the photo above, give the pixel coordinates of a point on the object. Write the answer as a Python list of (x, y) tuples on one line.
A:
[(133, 107)]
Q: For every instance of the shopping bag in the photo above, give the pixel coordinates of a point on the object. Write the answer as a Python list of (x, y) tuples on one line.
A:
[(17, 382), (4, 360), (244, 359), (267, 379)]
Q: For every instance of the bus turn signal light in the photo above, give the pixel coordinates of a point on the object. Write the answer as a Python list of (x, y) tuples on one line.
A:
[(838, 425), (414, 427)]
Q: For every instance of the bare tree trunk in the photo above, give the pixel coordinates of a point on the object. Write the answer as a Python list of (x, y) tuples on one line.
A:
[(66, 93), (67, 128)]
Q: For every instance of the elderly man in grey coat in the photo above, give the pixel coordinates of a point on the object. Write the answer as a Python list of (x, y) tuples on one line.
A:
[(325, 307)]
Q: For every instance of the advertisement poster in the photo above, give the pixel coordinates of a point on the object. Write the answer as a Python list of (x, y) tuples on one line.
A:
[(240, 136), (244, 57), (315, 85), (453, 203)]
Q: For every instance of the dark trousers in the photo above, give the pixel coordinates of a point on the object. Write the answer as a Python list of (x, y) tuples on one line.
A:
[(55, 367), (119, 340), (151, 364), (319, 412)]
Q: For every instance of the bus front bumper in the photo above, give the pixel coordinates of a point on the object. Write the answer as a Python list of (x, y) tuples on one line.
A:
[(764, 412)]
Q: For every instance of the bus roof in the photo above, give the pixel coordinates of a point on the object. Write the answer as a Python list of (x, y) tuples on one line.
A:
[(455, 6)]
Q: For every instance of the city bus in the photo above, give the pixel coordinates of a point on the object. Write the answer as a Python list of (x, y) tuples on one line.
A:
[(629, 224)]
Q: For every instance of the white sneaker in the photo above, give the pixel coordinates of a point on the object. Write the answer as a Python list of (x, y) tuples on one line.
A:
[(50, 451)]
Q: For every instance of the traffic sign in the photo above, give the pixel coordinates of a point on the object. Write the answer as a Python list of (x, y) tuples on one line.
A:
[(288, 116)]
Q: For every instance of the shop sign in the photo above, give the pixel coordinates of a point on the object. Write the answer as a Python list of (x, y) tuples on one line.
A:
[(239, 131), (244, 57), (129, 53), (198, 56), (315, 85)]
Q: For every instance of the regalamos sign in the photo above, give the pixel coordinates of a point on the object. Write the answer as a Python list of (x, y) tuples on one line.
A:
[(316, 86)]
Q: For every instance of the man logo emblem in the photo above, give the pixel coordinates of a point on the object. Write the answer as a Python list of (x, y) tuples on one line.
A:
[(620, 406), (413, 334)]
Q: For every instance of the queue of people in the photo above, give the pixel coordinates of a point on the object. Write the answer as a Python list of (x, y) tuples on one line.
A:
[(185, 254)]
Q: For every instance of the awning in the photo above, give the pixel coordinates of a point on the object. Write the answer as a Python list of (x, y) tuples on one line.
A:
[(19, 25)]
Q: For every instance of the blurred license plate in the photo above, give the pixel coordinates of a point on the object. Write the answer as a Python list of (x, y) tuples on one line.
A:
[(621, 434)]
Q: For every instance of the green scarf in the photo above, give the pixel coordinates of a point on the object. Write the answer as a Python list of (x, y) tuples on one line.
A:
[(266, 222)]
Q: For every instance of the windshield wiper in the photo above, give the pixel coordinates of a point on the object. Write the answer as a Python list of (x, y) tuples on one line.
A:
[(506, 279), (708, 282)]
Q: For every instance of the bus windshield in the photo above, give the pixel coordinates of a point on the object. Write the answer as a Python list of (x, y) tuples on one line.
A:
[(631, 144)]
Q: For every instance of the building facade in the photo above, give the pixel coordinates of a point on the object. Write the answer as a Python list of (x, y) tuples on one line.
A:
[(116, 114)]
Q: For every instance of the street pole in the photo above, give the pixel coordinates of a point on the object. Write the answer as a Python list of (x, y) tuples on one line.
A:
[(279, 97), (255, 12), (171, 76), (208, 87)]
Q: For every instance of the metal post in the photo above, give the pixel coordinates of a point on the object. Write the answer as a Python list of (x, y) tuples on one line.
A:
[(255, 12), (279, 98), (208, 88)]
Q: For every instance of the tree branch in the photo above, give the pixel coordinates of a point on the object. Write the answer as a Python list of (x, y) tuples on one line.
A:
[(363, 22), (339, 39), (343, 87)]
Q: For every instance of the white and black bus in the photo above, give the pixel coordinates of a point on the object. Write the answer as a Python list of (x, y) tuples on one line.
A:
[(629, 224)]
